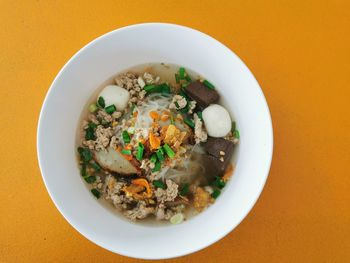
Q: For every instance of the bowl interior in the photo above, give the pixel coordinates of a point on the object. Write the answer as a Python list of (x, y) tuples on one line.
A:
[(117, 51)]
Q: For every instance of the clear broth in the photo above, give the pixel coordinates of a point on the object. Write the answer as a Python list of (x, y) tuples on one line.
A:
[(166, 72)]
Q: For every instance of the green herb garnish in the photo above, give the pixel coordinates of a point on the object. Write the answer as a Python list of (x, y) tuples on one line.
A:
[(96, 193), (110, 109), (160, 155), (177, 78), (92, 125), (169, 151), (85, 154), (182, 73), (215, 193), (186, 108), (126, 137), (233, 127), (158, 184), (93, 108), (101, 102), (96, 166), (189, 122), (153, 158), (90, 131), (165, 88), (162, 88), (184, 190), (89, 134), (236, 134), (83, 170), (90, 179), (208, 84), (218, 182), (140, 149), (157, 167), (126, 152), (200, 115)]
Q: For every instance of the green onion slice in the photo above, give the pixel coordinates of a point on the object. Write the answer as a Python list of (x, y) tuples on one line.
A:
[(162, 88), (177, 78), (218, 182), (233, 127), (126, 152), (96, 166), (208, 84), (159, 184), (216, 193), (126, 137), (184, 190), (101, 102), (160, 155), (90, 179), (85, 154), (110, 109), (157, 167), (236, 134), (140, 150), (96, 193), (189, 122), (177, 218), (153, 158), (93, 108), (182, 73), (169, 151)]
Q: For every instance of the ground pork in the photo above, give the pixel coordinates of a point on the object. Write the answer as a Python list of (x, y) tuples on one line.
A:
[(147, 165), (134, 84), (90, 144), (113, 191), (103, 136), (168, 194), (178, 102), (150, 79), (140, 211), (200, 135), (116, 114), (104, 116), (93, 119), (192, 106), (163, 213)]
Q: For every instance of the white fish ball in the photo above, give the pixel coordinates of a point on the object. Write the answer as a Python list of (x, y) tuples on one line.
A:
[(217, 120), (115, 95)]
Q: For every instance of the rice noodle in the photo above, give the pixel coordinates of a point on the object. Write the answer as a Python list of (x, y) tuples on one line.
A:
[(154, 102)]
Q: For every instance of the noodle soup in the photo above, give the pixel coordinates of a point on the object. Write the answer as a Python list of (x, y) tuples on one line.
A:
[(155, 144)]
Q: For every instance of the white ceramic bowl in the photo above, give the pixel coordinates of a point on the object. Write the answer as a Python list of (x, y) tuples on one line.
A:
[(117, 51)]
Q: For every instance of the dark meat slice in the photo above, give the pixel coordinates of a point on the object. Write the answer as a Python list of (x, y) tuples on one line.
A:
[(204, 96), (214, 146), (219, 153)]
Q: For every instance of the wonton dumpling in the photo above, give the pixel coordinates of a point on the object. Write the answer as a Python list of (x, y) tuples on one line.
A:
[(115, 95), (217, 120)]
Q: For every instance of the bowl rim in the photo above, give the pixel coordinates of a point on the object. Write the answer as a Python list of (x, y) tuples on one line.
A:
[(176, 26)]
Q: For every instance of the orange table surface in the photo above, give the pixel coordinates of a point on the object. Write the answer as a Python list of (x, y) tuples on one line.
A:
[(299, 53)]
